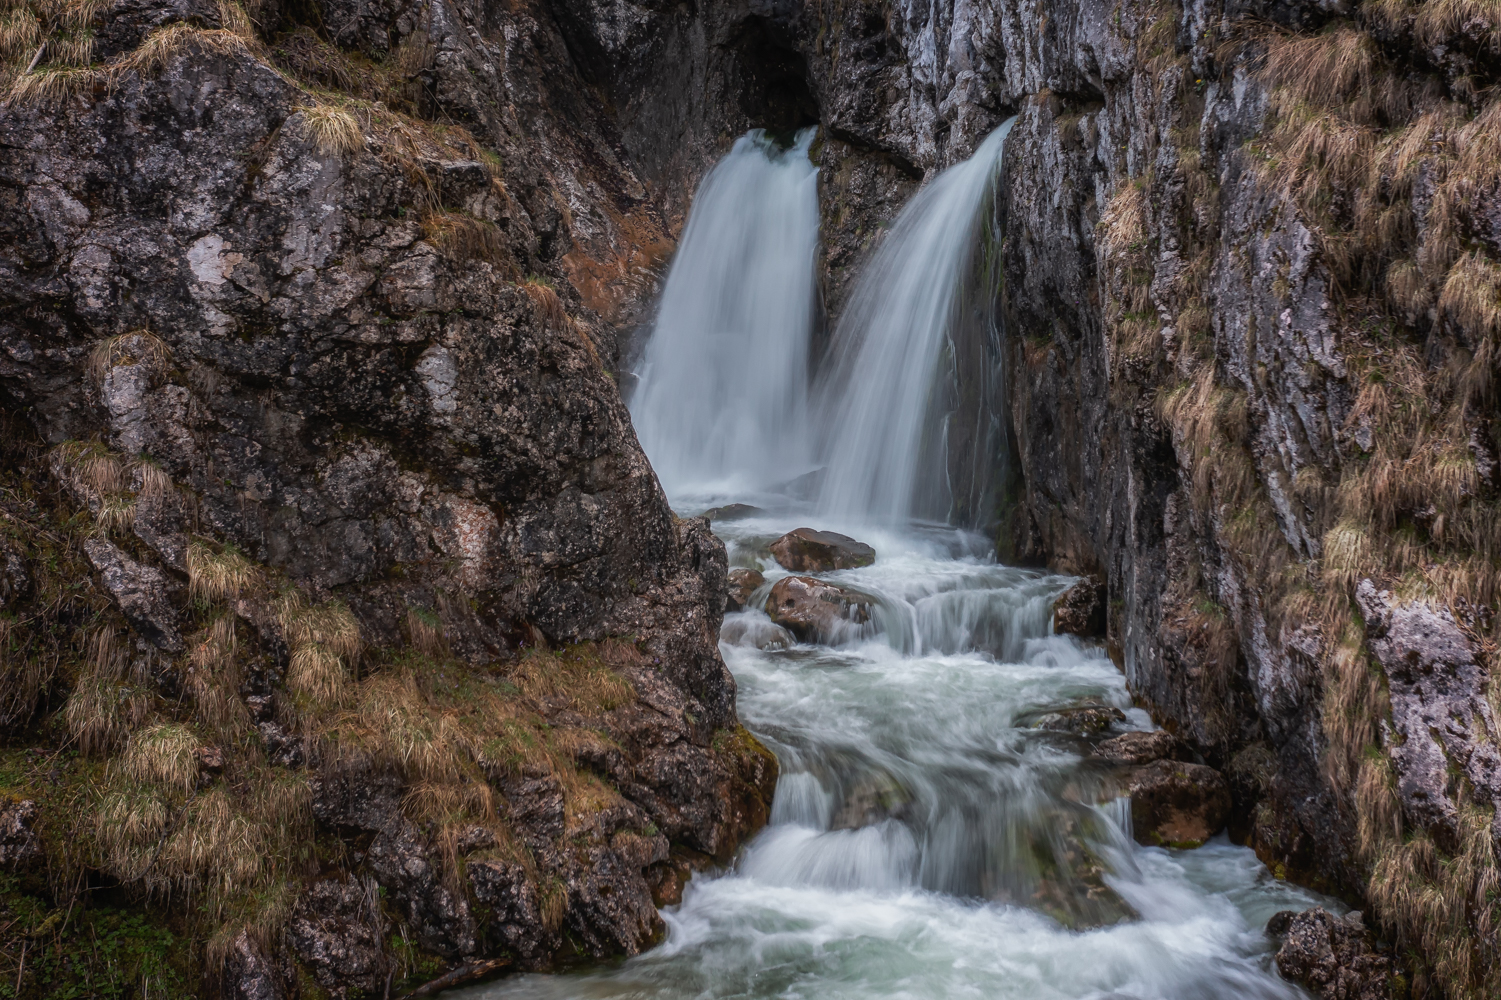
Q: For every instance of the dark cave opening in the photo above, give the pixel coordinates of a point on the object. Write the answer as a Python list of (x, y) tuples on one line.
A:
[(770, 78)]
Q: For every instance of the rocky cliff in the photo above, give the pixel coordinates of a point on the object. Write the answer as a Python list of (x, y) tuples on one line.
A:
[(311, 313)]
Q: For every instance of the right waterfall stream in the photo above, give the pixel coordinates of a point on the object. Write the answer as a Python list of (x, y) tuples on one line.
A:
[(929, 839)]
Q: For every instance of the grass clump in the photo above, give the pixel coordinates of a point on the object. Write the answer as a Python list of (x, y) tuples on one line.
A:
[(324, 642), (334, 132), (215, 576)]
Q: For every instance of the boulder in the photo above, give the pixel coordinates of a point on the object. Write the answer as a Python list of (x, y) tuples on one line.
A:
[(731, 512), (1084, 720), (873, 799), (1332, 957), (1178, 804), (1143, 748), (742, 583), (337, 930), (815, 611), (1081, 609), (756, 631), (804, 550)]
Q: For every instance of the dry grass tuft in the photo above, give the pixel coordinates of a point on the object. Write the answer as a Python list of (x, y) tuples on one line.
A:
[(136, 347), (20, 34), (334, 132), (462, 237), (217, 576), (103, 709), (545, 298), (426, 634), (163, 755), (213, 681), (165, 44), (580, 678), (51, 86), (324, 641), (1471, 297)]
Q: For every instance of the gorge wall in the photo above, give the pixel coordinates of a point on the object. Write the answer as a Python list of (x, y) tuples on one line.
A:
[(312, 321)]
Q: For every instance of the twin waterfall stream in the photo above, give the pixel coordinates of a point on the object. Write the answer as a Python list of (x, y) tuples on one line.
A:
[(926, 841)]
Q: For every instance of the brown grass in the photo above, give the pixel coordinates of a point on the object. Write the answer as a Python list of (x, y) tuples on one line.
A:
[(213, 680), (334, 132), (136, 347), (218, 576), (51, 86), (324, 641), (425, 633), (103, 708), (578, 678), (165, 44), (462, 237), (20, 34), (163, 754)]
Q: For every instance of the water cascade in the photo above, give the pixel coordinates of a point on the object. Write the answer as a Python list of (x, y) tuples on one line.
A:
[(722, 398), (929, 837), (885, 409)]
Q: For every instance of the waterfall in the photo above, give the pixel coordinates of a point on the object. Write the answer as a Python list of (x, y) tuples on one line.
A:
[(887, 416), (723, 395)]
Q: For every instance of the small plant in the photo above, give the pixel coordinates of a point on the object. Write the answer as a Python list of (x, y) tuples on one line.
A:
[(425, 631), (334, 132)]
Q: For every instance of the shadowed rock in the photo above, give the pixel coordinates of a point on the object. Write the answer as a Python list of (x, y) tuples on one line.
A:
[(1143, 748), (1081, 609), (804, 550), (141, 591), (1084, 720), (1177, 804), (730, 512), (742, 583)]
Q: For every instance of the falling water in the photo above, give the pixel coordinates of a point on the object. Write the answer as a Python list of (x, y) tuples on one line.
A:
[(883, 433), (722, 399), (928, 838)]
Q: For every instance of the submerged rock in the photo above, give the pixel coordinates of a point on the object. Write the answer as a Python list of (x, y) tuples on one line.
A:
[(742, 583), (731, 512), (1081, 609), (873, 799), (755, 630), (1143, 748), (1332, 957), (1084, 720), (805, 550), (816, 611), (1178, 805)]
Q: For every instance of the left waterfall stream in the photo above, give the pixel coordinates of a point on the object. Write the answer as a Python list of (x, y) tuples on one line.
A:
[(926, 839)]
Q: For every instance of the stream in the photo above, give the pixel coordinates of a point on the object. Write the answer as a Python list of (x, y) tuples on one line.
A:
[(927, 839)]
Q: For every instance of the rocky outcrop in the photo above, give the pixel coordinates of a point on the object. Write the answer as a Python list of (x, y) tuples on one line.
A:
[(816, 611), (1081, 610), (1334, 958), (741, 584), (1082, 720), (804, 550), (1142, 748)]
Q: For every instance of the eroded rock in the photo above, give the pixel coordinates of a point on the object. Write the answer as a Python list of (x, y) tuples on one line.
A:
[(337, 930), (804, 550), (1334, 958), (1178, 804), (816, 611)]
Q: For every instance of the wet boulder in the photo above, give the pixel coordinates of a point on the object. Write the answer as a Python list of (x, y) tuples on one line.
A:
[(1332, 957), (1081, 609), (742, 584), (804, 550), (1177, 804), (1143, 748), (1083, 720), (873, 799), (731, 512), (815, 611), (755, 631)]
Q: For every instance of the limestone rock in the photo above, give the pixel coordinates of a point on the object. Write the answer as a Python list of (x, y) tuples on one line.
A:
[(513, 909), (249, 974), (816, 611), (143, 593), (1081, 609), (731, 512), (337, 930), (742, 583), (1332, 958), (804, 550), (1143, 748), (1178, 804)]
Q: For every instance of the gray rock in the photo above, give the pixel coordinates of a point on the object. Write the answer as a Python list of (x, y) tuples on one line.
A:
[(804, 550), (249, 975), (1441, 718), (15, 582), (1333, 958), (512, 910), (1083, 720), (142, 592), (337, 930)]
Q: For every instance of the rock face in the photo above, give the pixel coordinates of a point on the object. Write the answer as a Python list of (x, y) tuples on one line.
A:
[(1333, 958), (1178, 804), (807, 551), (816, 611)]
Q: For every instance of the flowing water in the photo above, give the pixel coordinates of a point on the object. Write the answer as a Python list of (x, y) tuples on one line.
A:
[(723, 392), (928, 839)]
